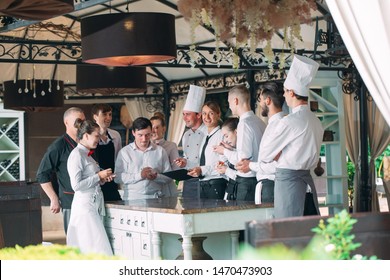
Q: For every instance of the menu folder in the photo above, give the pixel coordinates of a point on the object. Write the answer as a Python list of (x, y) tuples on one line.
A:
[(179, 175)]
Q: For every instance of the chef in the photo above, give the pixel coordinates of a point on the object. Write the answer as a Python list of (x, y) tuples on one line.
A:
[(193, 137), (297, 138)]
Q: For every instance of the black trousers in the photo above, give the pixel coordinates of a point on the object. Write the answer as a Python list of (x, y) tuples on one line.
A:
[(267, 191), (214, 188), (246, 188)]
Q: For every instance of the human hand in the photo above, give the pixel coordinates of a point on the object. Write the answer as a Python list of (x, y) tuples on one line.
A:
[(243, 166), (277, 156), (106, 175), (55, 206), (219, 149), (195, 172), (180, 162), (221, 167)]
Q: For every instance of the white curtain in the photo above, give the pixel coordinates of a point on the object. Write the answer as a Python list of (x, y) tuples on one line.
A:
[(137, 108), (364, 27), (176, 122)]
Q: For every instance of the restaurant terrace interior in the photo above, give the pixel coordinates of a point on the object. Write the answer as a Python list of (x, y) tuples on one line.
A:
[(72, 53)]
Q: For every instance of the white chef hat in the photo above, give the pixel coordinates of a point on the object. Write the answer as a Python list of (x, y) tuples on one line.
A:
[(300, 75), (195, 99)]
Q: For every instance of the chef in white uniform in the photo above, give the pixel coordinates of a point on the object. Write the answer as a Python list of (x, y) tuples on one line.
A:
[(193, 137), (298, 137)]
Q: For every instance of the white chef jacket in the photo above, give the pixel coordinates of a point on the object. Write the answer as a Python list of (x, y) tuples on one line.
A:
[(191, 143), (250, 130), (128, 168), (266, 170), (299, 137)]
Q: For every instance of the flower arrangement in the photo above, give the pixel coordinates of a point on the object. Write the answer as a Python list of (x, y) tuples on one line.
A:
[(250, 22)]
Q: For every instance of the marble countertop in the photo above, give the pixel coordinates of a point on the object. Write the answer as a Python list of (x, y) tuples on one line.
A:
[(178, 205)]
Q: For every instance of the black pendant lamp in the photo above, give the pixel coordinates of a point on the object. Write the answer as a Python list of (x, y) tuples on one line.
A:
[(33, 95), (110, 80), (125, 39)]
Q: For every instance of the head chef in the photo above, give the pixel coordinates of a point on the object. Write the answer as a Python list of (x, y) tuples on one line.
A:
[(300, 75), (192, 111)]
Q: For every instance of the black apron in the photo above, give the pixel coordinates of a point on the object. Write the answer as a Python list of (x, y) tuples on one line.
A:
[(105, 156)]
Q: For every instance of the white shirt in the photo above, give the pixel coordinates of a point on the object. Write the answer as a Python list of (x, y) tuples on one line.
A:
[(266, 170), (116, 139), (171, 149), (191, 143), (250, 130), (128, 168), (83, 170), (211, 158), (299, 137)]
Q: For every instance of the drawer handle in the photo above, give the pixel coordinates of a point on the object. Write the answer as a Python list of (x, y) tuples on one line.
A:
[(145, 247), (136, 223), (121, 221), (143, 224), (128, 234), (128, 221)]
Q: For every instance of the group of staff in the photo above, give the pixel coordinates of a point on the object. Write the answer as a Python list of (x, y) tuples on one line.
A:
[(241, 160)]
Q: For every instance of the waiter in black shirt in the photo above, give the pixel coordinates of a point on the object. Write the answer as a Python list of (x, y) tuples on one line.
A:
[(55, 160)]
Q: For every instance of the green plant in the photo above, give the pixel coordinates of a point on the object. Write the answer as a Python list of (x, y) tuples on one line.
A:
[(50, 252), (333, 240)]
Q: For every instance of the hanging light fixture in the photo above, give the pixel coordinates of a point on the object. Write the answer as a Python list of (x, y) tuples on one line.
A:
[(110, 80), (33, 95), (35, 9), (126, 39)]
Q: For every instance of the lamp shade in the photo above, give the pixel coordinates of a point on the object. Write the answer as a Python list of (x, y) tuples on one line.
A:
[(110, 80), (125, 39), (35, 9), (33, 95)]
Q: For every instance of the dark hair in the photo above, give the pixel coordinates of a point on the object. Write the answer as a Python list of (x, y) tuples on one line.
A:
[(231, 124), (84, 126), (159, 116), (104, 108), (273, 91), (141, 123), (300, 97)]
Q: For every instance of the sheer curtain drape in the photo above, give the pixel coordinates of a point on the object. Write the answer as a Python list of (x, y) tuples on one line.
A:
[(176, 122), (379, 139), (137, 108), (363, 26), (352, 136)]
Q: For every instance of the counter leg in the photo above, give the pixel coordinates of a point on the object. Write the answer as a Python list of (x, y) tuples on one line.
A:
[(187, 247), (234, 238), (156, 245)]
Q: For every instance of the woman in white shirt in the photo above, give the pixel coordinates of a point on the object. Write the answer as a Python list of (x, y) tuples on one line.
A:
[(86, 230), (212, 184)]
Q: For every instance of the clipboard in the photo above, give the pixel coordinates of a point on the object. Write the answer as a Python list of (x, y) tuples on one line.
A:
[(179, 175)]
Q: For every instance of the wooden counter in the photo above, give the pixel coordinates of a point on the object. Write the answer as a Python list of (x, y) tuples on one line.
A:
[(147, 220)]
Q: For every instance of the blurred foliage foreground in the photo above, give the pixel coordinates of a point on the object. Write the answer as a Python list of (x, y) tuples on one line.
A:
[(332, 241)]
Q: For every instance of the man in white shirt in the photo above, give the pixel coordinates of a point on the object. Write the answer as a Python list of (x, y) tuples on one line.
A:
[(193, 137), (140, 163), (271, 104), (298, 137), (250, 130)]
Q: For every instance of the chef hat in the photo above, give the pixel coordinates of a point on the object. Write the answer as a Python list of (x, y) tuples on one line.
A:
[(300, 75), (195, 99)]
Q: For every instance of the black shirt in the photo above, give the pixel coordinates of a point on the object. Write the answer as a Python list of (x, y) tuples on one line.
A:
[(55, 160)]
